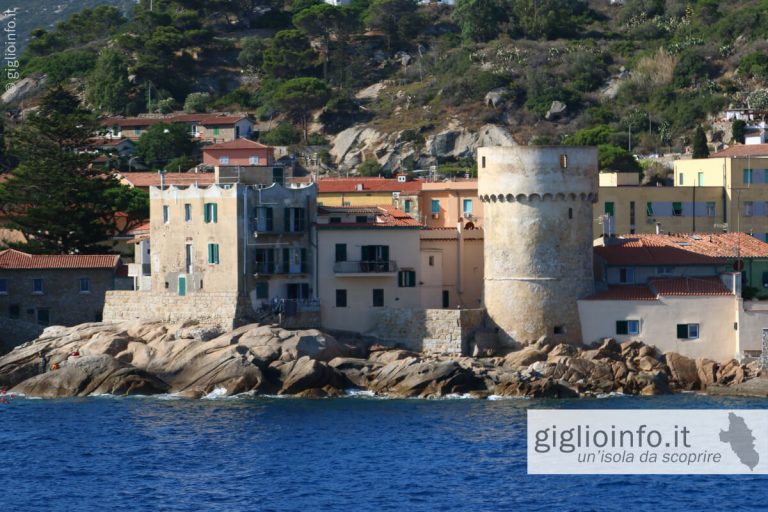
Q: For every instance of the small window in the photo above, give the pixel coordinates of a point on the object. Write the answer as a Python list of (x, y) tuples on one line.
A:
[(187, 212), (210, 213), (710, 208), (482, 163), (3, 286), (431, 261), (677, 209), (215, 130), (341, 252), (563, 161), (610, 209), (44, 316), (262, 290), (631, 327), (341, 298), (649, 209), (435, 206), (665, 270), (335, 220), (406, 278), (213, 254), (680, 177), (627, 275), (166, 214), (467, 206), (559, 329), (254, 160), (378, 298), (570, 213), (687, 331), (361, 219), (224, 160), (85, 285), (747, 175), (37, 286), (407, 206), (700, 181), (748, 208), (14, 311)]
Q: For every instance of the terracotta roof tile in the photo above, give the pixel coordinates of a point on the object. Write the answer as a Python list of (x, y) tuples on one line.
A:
[(204, 119), (689, 286), (625, 292), (237, 144), (152, 179), (742, 150), (16, 260), (329, 185), (386, 217)]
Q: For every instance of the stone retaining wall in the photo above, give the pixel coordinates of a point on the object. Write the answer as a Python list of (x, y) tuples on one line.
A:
[(443, 331), (227, 310)]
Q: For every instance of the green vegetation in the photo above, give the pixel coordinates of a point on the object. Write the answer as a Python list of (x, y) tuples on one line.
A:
[(162, 143), (284, 135), (700, 149), (107, 86)]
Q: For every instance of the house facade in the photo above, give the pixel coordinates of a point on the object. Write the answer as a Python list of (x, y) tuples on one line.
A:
[(446, 204), (209, 128), (451, 268), (400, 192), (243, 152)]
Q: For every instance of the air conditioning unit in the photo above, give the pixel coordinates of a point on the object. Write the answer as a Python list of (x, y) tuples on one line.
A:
[(395, 195)]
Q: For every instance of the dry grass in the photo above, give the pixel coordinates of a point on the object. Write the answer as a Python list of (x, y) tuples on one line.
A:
[(656, 70)]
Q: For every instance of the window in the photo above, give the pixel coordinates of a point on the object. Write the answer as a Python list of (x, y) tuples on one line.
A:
[(341, 298), (37, 286), (265, 220), (563, 161), (747, 176), (85, 285), (361, 219), (700, 181), (627, 275), (224, 160), (431, 261), (294, 220), (710, 208), (687, 331), (609, 209), (166, 214), (378, 298), (748, 207), (649, 209), (482, 164), (262, 290), (680, 178), (215, 130), (677, 209), (665, 270), (467, 206), (137, 131), (632, 213), (277, 175), (435, 206), (213, 254), (341, 252), (374, 253), (3, 286), (406, 278), (628, 327), (559, 329), (44, 316), (265, 261), (254, 160), (14, 311), (187, 212), (210, 213), (570, 213), (407, 206)]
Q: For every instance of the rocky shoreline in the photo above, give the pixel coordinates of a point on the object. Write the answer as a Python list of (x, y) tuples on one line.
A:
[(193, 361)]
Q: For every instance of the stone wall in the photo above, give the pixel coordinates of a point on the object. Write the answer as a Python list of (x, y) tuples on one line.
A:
[(444, 331), (15, 332), (227, 310)]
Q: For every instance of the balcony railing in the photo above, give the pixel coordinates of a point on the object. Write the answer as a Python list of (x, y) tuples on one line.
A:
[(365, 267), (279, 268)]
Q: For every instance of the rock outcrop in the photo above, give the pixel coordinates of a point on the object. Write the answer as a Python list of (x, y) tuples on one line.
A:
[(193, 360)]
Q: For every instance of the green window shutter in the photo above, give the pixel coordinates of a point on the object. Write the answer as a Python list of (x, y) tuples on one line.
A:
[(649, 209), (215, 213), (341, 252), (682, 331), (609, 209), (270, 220), (365, 252), (385, 252), (286, 219), (206, 213), (286, 260), (622, 327), (210, 253), (262, 290), (216, 250), (303, 260)]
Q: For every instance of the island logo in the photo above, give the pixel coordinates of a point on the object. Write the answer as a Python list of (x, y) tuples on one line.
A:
[(647, 441)]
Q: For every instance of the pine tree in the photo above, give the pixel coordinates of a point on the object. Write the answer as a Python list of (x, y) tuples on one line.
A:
[(700, 149)]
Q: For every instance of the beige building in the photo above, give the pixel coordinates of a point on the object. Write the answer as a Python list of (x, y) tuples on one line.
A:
[(368, 258), (451, 268)]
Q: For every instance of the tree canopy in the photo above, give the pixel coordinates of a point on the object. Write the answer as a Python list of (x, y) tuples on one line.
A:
[(300, 96), (163, 142), (107, 86)]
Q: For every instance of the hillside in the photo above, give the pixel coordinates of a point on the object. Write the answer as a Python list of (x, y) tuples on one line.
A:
[(410, 86)]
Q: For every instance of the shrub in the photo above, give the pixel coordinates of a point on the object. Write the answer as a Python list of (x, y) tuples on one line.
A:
[(283, 135), (370, 167), (755, 65), (197, 102)]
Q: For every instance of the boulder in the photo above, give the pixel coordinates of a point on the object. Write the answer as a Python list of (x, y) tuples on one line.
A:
[(411, 377), (730, 373), (647, 383), (556, 110), (683, 371), (524, 358), (235, 371), (706, 369), (495, 97), (563, 349), (94, 374), (486, 343), (23, 89), (306, 373)]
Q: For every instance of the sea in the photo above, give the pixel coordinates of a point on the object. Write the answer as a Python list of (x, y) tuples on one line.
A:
[(358, 453)]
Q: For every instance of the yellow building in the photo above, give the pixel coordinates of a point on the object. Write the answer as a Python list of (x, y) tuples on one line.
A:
[(400, 192), (448, 203)]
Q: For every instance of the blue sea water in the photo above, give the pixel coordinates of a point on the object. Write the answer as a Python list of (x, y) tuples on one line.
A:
[(359, 454)]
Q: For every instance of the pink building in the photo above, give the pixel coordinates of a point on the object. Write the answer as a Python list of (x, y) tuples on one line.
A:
[(243, 152)]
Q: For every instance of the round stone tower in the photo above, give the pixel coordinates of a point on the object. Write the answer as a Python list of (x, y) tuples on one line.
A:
[(537, 204)]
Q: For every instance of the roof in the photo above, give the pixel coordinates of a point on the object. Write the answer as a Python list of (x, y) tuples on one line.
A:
[(237, 144), (330, 185), (205, 119), (152, 179), (665, 287), (385, 217), (742, 150), (680, 249), (12, 259)]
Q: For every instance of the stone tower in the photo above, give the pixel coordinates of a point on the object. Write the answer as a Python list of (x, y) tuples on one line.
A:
[(538, 238)]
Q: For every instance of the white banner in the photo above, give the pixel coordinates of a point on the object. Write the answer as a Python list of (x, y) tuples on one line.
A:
[(647, 441)]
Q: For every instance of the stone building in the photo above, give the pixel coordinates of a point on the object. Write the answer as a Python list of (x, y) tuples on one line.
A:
[(53, 290), (538, 238)]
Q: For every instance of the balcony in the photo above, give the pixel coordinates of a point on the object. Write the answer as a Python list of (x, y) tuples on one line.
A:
[(365, 268), (274, 269)]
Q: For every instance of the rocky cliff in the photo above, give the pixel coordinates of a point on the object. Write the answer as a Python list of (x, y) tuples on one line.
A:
[(193, 361)]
